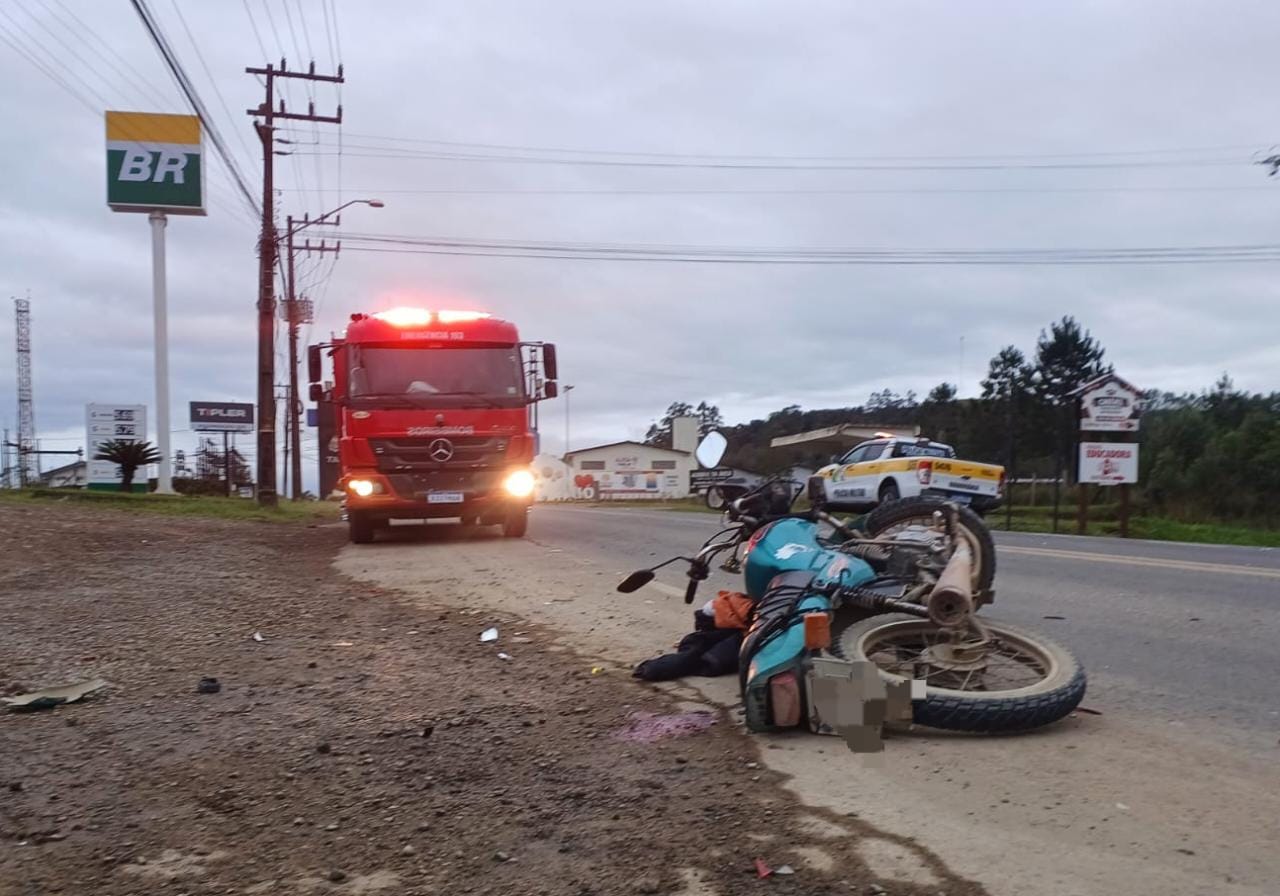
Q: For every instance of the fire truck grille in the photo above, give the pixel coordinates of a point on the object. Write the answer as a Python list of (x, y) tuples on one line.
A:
[(402, 455)]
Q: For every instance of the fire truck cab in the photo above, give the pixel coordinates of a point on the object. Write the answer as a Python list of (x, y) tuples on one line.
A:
[(436, 417)]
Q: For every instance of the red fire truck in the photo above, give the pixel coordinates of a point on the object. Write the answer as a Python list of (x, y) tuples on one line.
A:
[(435, 416)]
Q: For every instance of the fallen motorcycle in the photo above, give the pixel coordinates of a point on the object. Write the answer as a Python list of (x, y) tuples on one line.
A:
[(899, 590)]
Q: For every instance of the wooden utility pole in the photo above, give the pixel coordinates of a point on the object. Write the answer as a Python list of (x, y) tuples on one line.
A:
[(296, 312), (266, 116)]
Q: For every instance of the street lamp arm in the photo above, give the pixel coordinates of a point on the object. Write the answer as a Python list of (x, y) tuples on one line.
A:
[(372, 203)]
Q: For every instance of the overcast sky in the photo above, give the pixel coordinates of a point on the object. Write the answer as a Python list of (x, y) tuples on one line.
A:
[(1194, 81)]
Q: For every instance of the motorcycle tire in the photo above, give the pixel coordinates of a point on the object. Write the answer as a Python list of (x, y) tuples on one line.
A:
[(1053, 697), (920, 509)]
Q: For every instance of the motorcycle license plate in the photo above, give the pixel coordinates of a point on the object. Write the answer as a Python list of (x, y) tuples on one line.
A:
[(444, 497)]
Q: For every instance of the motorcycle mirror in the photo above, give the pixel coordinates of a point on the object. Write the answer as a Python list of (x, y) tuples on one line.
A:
[(711, 449), (716, 499), (636, 581)]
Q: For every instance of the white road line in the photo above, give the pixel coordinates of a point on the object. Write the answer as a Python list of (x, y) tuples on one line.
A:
[(1128, 560)]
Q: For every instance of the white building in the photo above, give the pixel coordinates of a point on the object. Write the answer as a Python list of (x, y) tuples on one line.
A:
[(634, 470), (72, 475)]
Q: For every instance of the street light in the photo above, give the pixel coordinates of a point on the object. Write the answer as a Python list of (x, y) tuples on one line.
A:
[(294, 419), (565, 391)]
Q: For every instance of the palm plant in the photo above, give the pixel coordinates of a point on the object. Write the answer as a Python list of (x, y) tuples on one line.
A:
[(128, 456)]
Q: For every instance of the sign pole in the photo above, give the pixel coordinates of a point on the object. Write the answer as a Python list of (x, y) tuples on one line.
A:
[(164, 477), (1124, 510), (226, 462)]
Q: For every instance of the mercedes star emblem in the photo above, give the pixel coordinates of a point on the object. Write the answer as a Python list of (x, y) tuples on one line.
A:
[(441, 450)]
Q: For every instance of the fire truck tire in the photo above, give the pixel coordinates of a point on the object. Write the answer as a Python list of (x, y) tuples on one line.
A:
[(516, 524), (360, 528)]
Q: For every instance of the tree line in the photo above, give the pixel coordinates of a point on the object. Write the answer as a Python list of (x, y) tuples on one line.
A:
[(1212, 455)]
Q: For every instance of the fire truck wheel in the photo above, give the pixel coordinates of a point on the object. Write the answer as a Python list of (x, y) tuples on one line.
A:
[(517, 523), (360, 528)]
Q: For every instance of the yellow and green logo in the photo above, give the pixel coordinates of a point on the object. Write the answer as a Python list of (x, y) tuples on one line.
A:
[(154, 163)]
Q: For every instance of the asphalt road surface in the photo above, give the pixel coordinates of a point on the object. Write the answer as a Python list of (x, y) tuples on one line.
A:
[(1184, 632)]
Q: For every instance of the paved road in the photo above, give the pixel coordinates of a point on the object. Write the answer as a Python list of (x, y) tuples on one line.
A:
[(1179, 633)]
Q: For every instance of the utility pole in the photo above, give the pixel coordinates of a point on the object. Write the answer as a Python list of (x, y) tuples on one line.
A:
[(28, 471), (267, 249), (296, 312), (565, 392)]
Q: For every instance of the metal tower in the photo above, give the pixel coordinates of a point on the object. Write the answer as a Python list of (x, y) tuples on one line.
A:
[(27, 458)]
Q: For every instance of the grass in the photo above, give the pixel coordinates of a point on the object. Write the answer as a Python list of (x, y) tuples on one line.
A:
[(1104, 520), (178, 505)]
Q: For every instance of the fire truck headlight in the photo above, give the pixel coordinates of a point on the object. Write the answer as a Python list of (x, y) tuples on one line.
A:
[(519, 484), (362, 487)]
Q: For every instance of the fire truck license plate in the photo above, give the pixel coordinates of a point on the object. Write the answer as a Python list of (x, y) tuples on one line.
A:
[(444, 497)]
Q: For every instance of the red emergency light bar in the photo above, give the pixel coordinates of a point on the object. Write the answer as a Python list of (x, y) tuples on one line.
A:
[(421, 317)]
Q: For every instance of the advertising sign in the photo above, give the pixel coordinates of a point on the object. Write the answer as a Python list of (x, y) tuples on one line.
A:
[(154, 163), (1109, 404), (221, 416), (106, 423), (1108, 463)]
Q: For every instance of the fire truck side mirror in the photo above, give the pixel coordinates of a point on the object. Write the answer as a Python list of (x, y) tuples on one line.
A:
[(549, 368), (550, 389), (317, 392), (314, 371)]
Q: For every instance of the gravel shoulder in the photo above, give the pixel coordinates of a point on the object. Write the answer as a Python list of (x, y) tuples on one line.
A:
[(369, 743)]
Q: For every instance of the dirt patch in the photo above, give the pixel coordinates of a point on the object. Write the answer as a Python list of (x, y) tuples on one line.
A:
[(365, 745)]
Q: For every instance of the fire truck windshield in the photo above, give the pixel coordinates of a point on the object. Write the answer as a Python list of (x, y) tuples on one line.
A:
[(437, 377)]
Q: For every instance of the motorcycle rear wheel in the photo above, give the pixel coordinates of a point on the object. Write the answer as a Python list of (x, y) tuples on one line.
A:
[(898, 516), (1027, 681)]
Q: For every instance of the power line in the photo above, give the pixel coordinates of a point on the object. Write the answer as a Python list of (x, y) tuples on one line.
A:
[(827, 191), (197, 105), (766, 157), (244, 143), (811, 255)]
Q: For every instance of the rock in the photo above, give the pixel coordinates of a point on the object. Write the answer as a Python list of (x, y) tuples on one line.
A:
[(337, 876), (323, 748), (648, 885), (299, 820), (15, 786), (877, 889), (333, 826), (753, 765), (408, 850), (501, 856)]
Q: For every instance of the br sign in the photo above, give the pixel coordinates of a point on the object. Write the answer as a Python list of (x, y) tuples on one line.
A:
[(154, 163), (221, 416)]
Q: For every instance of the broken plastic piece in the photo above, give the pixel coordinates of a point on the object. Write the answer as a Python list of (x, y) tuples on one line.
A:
[(762, 870), (784, 869), (257, 636), (504, 656), (51, 697), (489, 634)]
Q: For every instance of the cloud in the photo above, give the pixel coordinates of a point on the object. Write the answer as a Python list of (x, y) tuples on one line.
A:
[(814, 79)]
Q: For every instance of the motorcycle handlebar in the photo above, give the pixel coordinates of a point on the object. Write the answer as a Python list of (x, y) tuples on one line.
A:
[(690, 591)]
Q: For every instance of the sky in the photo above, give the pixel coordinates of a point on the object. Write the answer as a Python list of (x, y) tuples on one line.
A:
[(988, 125)]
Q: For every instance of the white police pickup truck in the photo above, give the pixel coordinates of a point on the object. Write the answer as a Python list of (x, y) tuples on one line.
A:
[(886, 469)]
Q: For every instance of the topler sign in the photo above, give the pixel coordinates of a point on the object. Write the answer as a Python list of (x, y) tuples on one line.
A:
[(221, 416), (154, 163), (1108, 463)]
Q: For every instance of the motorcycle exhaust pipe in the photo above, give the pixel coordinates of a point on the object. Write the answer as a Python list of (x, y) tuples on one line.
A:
[(951, 601)]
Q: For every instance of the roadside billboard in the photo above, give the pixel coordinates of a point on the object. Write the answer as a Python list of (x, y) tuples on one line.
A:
[(154, 163), (221, 416), (106, 423), (1109, 404), (1108, 463)]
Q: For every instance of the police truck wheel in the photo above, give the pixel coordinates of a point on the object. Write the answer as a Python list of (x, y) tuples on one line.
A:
[(517, 523), (889, 492), (360, 528)]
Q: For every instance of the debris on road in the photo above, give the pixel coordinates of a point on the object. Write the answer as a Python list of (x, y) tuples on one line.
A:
[(784, 870), (208, 686), (56, 696), (257, 636), (762, 870), (489, 634), (504, 656)]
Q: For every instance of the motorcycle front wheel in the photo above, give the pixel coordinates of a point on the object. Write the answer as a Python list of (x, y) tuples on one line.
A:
[(1018, 681)]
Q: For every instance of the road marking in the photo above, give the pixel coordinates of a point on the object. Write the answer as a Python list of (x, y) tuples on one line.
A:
[(1128, 560)]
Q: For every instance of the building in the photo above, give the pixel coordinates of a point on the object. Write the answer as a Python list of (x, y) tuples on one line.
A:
[(72, 475), (553, 479), (634, 470)]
